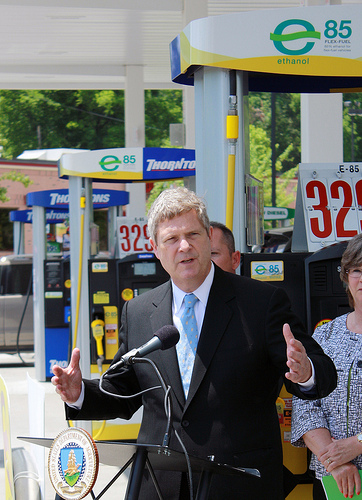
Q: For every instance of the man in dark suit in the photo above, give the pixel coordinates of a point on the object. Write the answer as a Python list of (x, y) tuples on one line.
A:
[(245, 345)]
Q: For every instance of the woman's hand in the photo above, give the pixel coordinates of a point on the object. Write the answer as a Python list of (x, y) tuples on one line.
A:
[(347, 479), (339, 452)]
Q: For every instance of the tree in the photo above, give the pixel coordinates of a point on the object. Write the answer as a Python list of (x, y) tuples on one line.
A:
[(6, 233), (352, 135), (15, 177), (260, 167), (85, 119), (161, 108), (287, 133)]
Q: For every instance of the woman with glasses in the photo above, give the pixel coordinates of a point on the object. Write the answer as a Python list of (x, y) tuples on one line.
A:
[(332, 427)]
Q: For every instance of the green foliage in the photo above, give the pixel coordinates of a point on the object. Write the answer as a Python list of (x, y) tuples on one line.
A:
[(85, 119), (161, 108), (15, 177), (260, 167), (352, 103), (287, 122)]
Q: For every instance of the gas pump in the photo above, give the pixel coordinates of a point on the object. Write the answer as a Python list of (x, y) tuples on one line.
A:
[(57, 313), (286, 270), (104, 311), (112, 282), (138, 273), (52, 290), (326, 295)]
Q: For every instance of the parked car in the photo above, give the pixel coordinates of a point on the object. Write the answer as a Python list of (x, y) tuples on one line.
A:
[(16, 304)]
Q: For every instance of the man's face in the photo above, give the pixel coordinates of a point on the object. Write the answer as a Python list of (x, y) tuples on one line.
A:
[(183, 248), (220, 253)]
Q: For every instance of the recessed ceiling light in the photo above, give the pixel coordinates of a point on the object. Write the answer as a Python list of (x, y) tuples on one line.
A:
[(66, 18)]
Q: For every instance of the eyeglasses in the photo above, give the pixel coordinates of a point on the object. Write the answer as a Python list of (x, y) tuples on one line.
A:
[(355, 273)]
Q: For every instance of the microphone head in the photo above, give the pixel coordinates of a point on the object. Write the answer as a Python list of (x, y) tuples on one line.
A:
[(169, 336)]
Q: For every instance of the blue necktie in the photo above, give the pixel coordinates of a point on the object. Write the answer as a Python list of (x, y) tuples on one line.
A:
[(186, 347)]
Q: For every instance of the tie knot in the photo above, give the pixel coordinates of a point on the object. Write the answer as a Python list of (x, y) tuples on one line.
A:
[(190, 300)]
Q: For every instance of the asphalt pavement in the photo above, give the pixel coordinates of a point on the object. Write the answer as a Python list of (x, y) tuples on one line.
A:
[(16, 373)]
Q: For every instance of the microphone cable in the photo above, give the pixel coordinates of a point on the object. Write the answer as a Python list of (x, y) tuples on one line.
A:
[(167, 409)]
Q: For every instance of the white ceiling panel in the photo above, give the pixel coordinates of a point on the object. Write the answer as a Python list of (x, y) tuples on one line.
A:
[(89, 43)]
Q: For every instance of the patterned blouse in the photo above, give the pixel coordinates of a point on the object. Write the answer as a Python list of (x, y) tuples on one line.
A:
[(341, 411)]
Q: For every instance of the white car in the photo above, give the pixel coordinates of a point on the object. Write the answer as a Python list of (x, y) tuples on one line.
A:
[(16, 304)]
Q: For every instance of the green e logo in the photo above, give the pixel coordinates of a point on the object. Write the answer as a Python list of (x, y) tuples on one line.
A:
[(279, 39)]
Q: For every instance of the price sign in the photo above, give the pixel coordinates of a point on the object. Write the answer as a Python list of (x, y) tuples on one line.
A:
[(132, 236), (332, 202)]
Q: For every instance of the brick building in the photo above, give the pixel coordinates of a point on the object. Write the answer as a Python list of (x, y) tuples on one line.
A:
[(44, 176)]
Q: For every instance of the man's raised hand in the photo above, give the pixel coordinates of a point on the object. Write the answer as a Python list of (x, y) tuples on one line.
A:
[(300, 369), (68, 381)]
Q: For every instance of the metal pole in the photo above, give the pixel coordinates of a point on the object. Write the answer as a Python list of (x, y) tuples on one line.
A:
[(273, 154), (352, 137)]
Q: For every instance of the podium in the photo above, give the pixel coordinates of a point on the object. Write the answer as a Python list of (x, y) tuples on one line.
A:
[(154, 457)]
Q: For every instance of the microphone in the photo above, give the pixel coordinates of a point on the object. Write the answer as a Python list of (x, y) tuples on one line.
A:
[(165, 338)]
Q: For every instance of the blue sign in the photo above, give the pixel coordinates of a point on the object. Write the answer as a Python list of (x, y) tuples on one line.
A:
[(52, 216), (167, 163), (59, 198)]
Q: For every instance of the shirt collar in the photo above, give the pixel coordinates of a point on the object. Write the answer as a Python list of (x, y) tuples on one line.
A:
[(202, 293)]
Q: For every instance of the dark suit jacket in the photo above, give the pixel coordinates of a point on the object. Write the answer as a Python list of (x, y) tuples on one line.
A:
[(230, 411)]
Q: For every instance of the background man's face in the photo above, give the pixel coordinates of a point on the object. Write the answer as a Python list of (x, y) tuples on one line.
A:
[(220, 253)]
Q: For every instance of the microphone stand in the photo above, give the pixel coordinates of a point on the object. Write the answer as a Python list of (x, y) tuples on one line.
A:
[(166, 438), (140, 458), (168, 401)]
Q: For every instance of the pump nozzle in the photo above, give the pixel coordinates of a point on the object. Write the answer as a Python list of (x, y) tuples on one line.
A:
[(98, 333)]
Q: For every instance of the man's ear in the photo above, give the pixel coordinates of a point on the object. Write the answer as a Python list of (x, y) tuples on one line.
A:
[(154, 246), (235, 258)]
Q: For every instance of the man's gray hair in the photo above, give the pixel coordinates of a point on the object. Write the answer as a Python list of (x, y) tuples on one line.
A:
[(173, 202)]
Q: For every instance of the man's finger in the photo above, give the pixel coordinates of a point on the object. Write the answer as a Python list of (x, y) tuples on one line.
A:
[(287, 332), (74, 360)]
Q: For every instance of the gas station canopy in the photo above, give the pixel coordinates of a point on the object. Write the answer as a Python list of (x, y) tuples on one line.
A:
[(74, 44), (283, 50)]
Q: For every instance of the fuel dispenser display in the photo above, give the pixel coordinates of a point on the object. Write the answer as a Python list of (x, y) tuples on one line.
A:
[(112, 282), (139, 273), (326, 295), (57, 313)]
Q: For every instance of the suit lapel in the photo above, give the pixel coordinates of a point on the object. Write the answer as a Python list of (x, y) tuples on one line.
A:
[(167, 360), (216, 320)]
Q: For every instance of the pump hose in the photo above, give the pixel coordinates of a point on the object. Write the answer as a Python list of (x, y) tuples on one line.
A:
[(22, 319)]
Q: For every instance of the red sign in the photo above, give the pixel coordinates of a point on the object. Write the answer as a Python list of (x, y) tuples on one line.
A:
[(332, 202), (132, 236)]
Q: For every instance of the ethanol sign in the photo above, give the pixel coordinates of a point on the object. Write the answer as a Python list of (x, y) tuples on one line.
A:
[(316, 41)]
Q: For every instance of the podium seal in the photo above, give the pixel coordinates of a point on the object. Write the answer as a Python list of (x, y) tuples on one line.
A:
[(73, 463)]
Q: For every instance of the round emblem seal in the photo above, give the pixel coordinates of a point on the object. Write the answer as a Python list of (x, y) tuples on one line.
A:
[(73, 463)]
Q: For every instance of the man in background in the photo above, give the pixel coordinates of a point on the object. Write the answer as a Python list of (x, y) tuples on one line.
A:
[(223, 251)]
